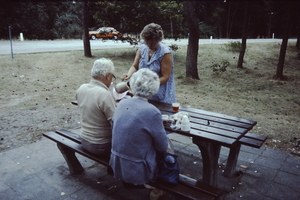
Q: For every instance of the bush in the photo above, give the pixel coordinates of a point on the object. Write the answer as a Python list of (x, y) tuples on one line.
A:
[(233, 46), (219, 67), (174, 47)]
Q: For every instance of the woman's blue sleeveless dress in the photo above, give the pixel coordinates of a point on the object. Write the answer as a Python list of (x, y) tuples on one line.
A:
[(166, 92)]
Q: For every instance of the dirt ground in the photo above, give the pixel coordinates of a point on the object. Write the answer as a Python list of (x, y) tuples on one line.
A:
[(37, 88)]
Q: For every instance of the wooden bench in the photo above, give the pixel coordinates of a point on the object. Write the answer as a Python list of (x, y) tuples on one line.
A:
[(69, 143)]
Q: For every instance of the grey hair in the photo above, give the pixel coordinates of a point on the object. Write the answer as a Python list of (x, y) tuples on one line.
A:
[(102, 67), (152, 31), (144, 83)]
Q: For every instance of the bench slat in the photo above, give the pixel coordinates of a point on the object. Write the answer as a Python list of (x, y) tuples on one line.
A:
[(70, 135), (251, 142), (76, 147), (256, 137)]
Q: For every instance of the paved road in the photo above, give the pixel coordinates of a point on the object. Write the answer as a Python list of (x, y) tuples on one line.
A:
[(67, 45)]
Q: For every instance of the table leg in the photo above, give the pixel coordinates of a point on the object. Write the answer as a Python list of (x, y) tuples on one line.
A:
[(210, 154), (232, 160), (71, 159)]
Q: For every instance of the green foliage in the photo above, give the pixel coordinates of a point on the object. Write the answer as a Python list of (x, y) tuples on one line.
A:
[(233, 46), (219, 66), (174, 47), (67, 26), (57, 19), (206, 31)]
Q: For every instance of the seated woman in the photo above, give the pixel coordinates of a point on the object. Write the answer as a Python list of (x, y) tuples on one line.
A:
[(138, 132)]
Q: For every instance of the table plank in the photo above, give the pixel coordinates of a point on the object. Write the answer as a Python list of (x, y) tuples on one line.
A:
[(222, 140), (207, 115), (212, 124)]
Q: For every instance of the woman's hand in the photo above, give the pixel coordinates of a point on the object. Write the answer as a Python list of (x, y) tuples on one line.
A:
[(133, 68), (125, 77)]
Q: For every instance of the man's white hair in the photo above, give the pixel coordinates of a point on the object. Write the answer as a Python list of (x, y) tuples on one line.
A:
[(102, 67), (144, 83)]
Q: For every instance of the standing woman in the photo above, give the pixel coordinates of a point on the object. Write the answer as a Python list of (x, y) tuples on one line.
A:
[(156, 56)]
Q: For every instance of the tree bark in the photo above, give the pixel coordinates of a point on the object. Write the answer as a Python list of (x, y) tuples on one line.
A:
[(244, 37), (298, 37), (193, 40), (86, 39), (280, 65), (230, 20)]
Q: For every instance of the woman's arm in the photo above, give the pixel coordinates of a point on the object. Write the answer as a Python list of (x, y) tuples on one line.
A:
[(158, 133), (134, 66), (166, 68)]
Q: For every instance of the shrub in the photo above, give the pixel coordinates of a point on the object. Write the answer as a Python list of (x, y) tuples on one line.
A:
[(233, 46), (174, 47), (219, 67)]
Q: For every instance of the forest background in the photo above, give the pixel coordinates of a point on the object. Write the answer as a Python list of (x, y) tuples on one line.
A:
[(217, 18)]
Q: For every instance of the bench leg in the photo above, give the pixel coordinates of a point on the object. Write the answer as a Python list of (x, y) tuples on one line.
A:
[(71, 159), (210, 154), (232, 160)]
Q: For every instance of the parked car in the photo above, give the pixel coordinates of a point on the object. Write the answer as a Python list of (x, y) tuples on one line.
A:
[(105, 32)]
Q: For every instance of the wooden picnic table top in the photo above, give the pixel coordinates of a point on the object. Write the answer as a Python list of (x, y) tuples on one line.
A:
[(215, 127)]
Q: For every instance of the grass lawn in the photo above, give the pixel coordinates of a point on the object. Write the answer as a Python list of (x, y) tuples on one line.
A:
[(31, 80)]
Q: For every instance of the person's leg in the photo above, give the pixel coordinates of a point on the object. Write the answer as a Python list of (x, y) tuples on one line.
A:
[(97, 149)]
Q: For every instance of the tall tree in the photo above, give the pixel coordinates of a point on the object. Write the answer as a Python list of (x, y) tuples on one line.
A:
[(189, 8), (298, 32), (86, 39), (244, 36), (298, 38), (286, 14), (231, 12)]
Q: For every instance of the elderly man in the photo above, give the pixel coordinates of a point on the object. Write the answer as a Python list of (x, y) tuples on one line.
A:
[(97, 106)]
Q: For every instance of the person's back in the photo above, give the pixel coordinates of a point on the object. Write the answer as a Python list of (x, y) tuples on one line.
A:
[(97, 105), (138, 132)]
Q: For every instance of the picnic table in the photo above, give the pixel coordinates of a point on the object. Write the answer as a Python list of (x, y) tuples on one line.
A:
[(210, 131)]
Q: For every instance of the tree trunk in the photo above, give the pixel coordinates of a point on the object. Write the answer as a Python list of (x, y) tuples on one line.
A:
[(298, 31), (193, 41), (280, 65), (298, 43), (298, 37), (86, 39), (244, 37), (230, 20)]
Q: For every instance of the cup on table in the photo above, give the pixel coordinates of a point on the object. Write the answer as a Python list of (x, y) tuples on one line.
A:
[(175, 106)]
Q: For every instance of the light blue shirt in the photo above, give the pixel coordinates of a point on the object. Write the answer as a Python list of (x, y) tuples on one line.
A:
[(166, 92)]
